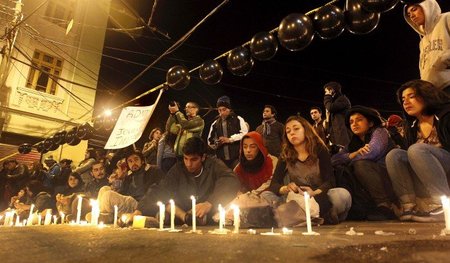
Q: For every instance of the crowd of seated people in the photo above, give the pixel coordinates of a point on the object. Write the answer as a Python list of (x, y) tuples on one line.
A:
[(353, 163)]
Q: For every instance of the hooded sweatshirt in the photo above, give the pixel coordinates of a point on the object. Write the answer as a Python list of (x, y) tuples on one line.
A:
[(253, 180), (434, 62)]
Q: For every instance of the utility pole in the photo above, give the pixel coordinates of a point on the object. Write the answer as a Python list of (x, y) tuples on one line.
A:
[(10, 40)]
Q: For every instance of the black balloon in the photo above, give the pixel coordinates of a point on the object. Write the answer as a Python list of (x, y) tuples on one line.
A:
[(239, 61), (329, 22), (406, 2), (263, 46), (50, 145), (72, 138), (295, 32), (358, 20), (211, 72), (25, 148), (40, 147), (178, 77), (98, 123), (85, 131), (109, 122), (378, 6), (60, 137)]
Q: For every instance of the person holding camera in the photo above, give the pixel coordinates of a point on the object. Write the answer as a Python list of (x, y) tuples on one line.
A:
[(184, 127), (226, 133)]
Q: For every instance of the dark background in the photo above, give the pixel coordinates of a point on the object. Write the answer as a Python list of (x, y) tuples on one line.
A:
[(370, 67)]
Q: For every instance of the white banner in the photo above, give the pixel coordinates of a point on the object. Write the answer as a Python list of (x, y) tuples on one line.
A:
[(130, 125)]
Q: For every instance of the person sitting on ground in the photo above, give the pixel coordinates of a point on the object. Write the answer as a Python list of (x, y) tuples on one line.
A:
[(133, 189), (255, 167), (39, 196), (305, 166), (84, 168), (365, 155), (65, 199), (54, 170), (395, 127), (98, 180), (420, 174), (206, 178)]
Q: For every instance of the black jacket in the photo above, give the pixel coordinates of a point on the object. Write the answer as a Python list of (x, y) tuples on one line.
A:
[(442, 123)]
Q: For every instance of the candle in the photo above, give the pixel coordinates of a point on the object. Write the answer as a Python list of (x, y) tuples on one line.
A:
[(236, 218), (48, 217), (446, 207), (172, 214), (39, 219), (7, 216), (62, 218), (55, 218), (286, 231), (308, 212), (17, 220), (80, 198), (162, 214), (24, 222), (139, 221), (116, 211), (95, 212), (221, 218), (194, 213), (30, 216)]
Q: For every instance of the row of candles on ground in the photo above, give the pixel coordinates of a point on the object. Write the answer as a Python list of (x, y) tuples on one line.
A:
[(139, 221)]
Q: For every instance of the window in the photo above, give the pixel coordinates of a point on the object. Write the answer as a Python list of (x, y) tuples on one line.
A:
[(44, 80), (60, 12)]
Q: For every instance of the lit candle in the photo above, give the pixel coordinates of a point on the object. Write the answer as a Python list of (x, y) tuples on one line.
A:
[(308, 212), (194, 213), (446, 207), (24, 222), (172, 214), (55, 218), (39, 219), (139, 221), (116, 211), (62, 218), (48, 217), (7, 216), (95, 212), (236, 218), (162, 214), (80, 198), (221, 218), (30, 216), (17, 221)]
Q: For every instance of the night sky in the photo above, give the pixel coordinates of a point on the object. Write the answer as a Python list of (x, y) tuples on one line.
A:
[(370, 67)]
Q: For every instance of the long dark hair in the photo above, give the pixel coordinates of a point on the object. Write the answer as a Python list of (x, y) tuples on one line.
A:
[(312, 142), (433, 98)]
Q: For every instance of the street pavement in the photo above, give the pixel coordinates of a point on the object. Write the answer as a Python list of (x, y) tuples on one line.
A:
[(402, 242)]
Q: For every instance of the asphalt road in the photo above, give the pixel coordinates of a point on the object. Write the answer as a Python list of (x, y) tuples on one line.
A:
[(411, 242)]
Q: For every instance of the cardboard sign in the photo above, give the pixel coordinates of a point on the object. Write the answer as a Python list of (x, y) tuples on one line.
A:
[(130, 125)]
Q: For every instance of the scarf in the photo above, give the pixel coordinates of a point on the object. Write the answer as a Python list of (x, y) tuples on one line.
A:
[(266, 125)]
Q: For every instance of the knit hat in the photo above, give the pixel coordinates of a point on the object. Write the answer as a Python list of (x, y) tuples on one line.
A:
[(224, 101), (394, 120), (370, 113)]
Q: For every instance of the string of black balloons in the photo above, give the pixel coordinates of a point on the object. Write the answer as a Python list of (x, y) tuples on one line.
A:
[(295, 32)]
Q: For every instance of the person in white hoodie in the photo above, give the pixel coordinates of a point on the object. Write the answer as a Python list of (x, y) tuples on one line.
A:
[(434, 29)]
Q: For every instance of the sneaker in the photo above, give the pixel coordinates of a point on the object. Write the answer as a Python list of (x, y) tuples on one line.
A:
[(406, 215), (436, 215)]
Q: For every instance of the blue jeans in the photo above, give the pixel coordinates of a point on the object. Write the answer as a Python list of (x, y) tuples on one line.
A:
[(420, 171)]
